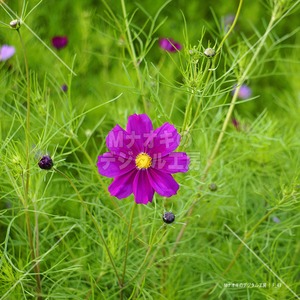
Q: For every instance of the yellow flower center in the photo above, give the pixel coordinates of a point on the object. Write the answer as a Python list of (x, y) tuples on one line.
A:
[(143, 161)]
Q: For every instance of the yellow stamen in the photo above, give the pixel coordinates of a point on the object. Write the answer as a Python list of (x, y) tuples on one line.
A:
[(143, 161)]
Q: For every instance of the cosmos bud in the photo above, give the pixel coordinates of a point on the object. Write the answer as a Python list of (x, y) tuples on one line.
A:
[(46, 162), (213, 187), (168, 217), (15, 24)]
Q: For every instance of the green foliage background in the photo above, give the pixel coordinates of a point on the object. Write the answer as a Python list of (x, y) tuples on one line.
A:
[(80, 231)]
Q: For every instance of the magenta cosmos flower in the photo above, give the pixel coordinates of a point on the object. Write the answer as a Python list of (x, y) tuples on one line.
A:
[(59, 42), (6, 52), (169, 45), (141, 160)]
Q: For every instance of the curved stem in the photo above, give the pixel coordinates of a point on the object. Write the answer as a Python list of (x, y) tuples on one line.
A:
[(232, 25), (217, 146), (188, 107), (127, 247), (133, 53)]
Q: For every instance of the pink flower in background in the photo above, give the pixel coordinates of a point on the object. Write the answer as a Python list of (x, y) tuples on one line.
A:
[(169, 45), (141, 160), (59, 42), (244, 93), (228, 20), (6, 52)]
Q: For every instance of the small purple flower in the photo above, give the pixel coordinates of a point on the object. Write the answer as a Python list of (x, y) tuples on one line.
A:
[(169, 45), (64, 88), (59, 42), (6, 52), (244, 93), (276, 219), (46, 162), (228, 20), (141, 160)]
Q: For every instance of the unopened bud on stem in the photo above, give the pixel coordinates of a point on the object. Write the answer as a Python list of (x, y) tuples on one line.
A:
[(15, 24)]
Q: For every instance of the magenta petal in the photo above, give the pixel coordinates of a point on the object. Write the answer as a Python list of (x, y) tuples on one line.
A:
[(166, 140), (121, 187), (142, 189), (111, 165), (169, 45), (163, 183), (138, 128), (118, 142), (59, 42), (172, 163)]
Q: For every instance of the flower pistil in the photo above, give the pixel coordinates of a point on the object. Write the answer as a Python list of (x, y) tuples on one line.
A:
[(143, 161)]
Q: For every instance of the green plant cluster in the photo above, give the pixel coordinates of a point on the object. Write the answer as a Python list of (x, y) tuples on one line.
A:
[(236, 233)]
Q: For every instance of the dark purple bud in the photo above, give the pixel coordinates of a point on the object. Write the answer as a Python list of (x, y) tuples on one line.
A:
[(169, 45), (236, 123), (59, 42), (168, 217), (46, 162), (64, 88)]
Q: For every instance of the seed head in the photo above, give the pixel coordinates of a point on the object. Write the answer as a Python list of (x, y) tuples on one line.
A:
[(209, 52)]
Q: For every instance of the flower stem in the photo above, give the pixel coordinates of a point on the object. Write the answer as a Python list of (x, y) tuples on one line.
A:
[(133, 55), (232, 26), (188, 111), (216, 148), (240, 248), (127, 247), (33, 249)]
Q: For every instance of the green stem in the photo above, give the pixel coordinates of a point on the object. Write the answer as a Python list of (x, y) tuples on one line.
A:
[(206, 88), (232, 26), (208, 67), (133, 53), (94, 222), (34, 251), (151, 261), (127, 247), (216, 148), (240, 248), (188, 110), (235, 97)]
